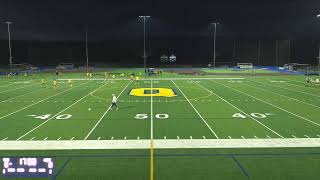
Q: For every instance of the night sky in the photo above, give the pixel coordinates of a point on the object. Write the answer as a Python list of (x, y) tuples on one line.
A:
[(117, 21), (68, 19)]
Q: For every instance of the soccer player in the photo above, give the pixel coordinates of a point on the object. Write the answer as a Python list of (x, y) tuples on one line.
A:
[(114, 102), (43, 83), (55, 84), (70, 82)]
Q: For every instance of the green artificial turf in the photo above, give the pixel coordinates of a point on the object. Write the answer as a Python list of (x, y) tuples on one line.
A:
[(248, 108)]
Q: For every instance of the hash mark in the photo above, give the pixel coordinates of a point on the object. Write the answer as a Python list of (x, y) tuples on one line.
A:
[(5, 139), (59, 138), (256, 137), (204, 137), (190, 137), (112, 138), (178, 137), (99, 138), (318, 135), (268, 136), (125, 137), (165, 137), (45, 138), (72, 138), (294, 136), (306, 136), (32, 138), (138, 137), (242, 137), (229, 137)]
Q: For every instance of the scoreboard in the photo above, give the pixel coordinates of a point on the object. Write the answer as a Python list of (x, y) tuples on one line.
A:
[(27, 167)]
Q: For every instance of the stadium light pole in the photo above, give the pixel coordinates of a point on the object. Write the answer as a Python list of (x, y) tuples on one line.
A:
[(318, 16), (9, 40), (214, 42), (144, 40), (87, 52)]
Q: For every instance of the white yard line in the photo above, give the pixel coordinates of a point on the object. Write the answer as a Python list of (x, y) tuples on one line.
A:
[(265, 126), (271, 105), (60, 112), (148, 79), (283, 96), (104, 114), (160, 144), (287, 89), (14, 89), (20, 95), (40, 101), (151, 111), (196, 110)]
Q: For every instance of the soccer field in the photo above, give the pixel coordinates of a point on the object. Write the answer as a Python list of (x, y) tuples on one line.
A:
[(216, 127)]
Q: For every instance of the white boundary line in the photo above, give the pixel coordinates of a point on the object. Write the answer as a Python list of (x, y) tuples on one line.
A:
[(14, 89), (271, 104), (151, 115), (41, 101), (288, 89), (243, 112), (60, 112), (104, 114), (283, 96), (148, 79), (196, 111), (20, 96), (159, 144)]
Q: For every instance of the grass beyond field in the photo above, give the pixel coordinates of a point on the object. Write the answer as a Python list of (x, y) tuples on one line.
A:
[(242, 108)]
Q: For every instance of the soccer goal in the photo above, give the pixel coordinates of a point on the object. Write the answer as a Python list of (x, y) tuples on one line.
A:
[(245, 65)]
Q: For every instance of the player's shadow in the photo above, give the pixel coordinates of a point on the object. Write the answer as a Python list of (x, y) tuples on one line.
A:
[(127, 107)]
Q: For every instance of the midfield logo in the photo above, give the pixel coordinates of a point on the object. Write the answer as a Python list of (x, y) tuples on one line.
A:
[(156, 92)]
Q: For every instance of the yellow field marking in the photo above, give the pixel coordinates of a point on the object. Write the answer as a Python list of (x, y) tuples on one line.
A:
[(155, 92)]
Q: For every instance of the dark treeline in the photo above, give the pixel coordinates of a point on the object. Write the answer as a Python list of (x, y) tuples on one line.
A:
[(188, 51)]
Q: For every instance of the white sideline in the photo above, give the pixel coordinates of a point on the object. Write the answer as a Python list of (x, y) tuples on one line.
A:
[(104, 114), (265, 126), (14, 89), (159, 144), (196, 111), (148, 79), (40, 101), (61, 112), (296, 115)]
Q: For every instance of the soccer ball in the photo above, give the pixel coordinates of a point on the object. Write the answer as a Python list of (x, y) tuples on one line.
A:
[(89, 109)]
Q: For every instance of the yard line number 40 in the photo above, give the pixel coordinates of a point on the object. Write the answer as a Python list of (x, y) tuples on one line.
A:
[(47, 116)]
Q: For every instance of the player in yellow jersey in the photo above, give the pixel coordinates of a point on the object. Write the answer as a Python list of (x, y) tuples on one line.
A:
[(70, 82), (113, 76), (55, 84), (43, 83)]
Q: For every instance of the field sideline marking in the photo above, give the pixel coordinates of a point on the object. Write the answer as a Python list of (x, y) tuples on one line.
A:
[(14, 89), (160, 144), (151, 136), (196, 110), (272, 105), (242, 112), (287, 89), (60, 112), (284, 96), (20, 95), (148, 79), (104, 114), (41, 101)]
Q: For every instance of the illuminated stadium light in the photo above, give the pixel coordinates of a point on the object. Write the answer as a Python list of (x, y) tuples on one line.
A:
[(144, 40)]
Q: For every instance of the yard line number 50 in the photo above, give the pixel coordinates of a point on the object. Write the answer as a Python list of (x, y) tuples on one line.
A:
[(145, 116)]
